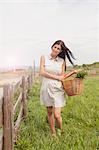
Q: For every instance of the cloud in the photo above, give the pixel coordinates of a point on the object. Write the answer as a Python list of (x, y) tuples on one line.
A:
[(29, 28)]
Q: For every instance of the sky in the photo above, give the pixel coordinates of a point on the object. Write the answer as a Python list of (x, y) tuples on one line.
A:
[(28, 28)]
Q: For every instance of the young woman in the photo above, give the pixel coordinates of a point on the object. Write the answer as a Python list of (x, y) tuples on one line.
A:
[(52, 69)]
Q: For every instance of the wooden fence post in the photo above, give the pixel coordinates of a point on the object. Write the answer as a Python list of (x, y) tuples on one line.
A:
[(7, 119), (29, 82), (12, 116), (31, 78), (1, 125), (24, 97)]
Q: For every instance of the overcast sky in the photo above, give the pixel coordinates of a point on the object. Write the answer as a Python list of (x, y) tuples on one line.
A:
[(28, 28)]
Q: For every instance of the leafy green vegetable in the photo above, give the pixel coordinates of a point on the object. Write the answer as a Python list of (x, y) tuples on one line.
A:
[(81, 74)]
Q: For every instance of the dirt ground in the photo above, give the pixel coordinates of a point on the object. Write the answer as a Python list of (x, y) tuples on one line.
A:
[(11, 77), (14, 76)]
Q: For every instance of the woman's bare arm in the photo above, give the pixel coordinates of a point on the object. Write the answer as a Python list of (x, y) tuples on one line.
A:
[(68, 74), (46, 74), (72, 72), (63, 68), (61, 77)]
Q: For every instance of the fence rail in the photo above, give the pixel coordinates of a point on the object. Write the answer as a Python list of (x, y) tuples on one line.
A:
[(8, 125)]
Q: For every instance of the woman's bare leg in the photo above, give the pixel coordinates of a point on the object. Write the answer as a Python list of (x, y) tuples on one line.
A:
[(57, 116), (51, 119)]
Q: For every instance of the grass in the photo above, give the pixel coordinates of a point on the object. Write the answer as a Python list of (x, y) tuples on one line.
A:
[(80, 122)]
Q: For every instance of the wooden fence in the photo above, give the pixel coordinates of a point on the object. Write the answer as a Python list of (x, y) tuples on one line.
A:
[(9, 120)]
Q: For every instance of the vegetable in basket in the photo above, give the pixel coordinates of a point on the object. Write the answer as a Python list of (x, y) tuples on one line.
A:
[(75, 86), (81, 74)]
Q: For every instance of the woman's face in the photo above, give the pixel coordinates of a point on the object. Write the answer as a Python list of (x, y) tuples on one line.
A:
[(56, 49)]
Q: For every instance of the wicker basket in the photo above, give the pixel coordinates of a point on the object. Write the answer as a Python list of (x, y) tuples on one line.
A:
[(73, 87)]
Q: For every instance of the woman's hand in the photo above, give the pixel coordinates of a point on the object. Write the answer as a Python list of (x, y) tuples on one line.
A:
[(64, 76), (61, 77)]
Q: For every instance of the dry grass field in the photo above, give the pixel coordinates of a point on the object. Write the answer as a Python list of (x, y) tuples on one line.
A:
[(11, 76)]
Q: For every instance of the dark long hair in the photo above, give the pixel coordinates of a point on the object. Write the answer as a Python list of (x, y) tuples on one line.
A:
[(65, 52)]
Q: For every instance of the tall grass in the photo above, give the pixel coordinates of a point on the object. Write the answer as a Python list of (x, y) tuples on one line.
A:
[(80, 122)]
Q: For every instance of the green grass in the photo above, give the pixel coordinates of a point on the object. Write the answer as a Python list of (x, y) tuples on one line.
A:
[(80, 122)]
